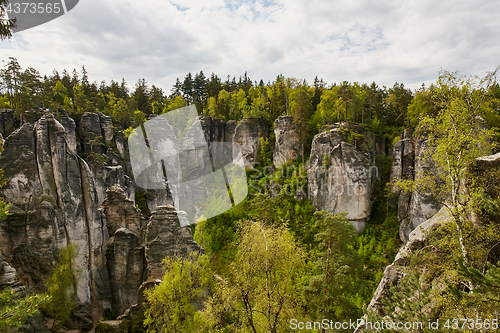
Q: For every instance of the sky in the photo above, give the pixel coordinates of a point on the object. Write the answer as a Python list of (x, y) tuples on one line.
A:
[(362, 41)]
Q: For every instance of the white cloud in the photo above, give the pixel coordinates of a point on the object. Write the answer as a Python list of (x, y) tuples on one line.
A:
[(363, 41)]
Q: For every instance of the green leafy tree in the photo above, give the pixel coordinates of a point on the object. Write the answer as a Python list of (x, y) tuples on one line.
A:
[(172, 304), (411, 302), (336, 279), (61, 97), (61, 287), (14, 310), (421, 106), (302, 111), (262, 291), (457, 137), (265, 154)]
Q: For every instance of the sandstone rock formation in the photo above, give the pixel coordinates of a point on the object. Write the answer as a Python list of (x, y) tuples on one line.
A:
[(7, 122), (54, 203), (409, 163), (247, 135), (417, 239), (121, 212), (344, 184), (287, 146), (56, 198), (70, 127), (166, 238), (126, 265), (93, 125), (8, 275)]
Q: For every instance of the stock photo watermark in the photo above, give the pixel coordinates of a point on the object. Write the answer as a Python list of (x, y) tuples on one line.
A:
[(29, 14)]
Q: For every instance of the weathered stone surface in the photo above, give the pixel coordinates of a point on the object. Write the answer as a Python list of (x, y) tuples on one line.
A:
[(216, 130), (247, 135), (8, 275), (92, 125), (409, 163), (7, 122), (417, 240), (166, 238), (70, 127), (121, 212), (126, 266), (54, 203), (112, 176), (287, 146), (345, 185), (422, 205)]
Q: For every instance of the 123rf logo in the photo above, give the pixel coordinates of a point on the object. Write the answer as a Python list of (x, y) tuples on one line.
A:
[(29, 14)]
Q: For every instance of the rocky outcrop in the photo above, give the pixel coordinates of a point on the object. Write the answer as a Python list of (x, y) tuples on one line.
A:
[(217, 130), (70, 127), (91, 126), (54, 204), (8, 275), (7, 122), (125, 250), (287, 146), (340, 177), (121, 212), (409, 162), (126, 267), (247, 135), (113, 172), (417, 240), (166, 238)]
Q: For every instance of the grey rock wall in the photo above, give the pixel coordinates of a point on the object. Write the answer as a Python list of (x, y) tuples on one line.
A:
[(344, 184), (247, 135), (287, 146), (54, 204), (166, 238), (409, 163)]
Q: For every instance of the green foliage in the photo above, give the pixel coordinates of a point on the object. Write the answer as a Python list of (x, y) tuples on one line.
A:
[(96, 159), (457, 138), (326, 161), (265, 155), (14, 310), (410, 302), (262, 291), (4, 207), (336, 282), (61, 287), (171, 304), (488, 284)]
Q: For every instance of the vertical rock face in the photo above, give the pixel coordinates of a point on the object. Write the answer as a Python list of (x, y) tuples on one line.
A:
[(54, 203), (8, 275), (287, 146), (417, 239), (121, 213), (402, 168), (340, 177), (166, 238), (126, 267), (247, 135), (6, 122), (70, 127), (217, 130), (93, 125), (56, 198), (418, 207)]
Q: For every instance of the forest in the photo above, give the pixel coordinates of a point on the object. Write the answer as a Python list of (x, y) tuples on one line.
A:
[(274, 258)]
